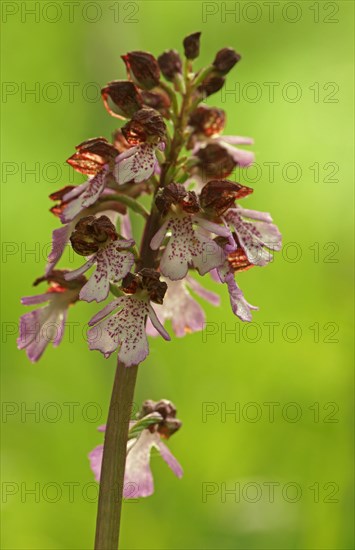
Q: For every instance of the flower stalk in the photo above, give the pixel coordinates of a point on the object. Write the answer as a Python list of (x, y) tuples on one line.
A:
[(114, 453), (114, 459)]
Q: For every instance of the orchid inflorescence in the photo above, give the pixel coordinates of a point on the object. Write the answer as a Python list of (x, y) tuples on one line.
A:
[(172, 148)]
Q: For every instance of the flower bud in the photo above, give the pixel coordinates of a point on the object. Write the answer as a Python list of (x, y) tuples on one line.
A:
[(157, 99), (92, 233), (165, 408), (211, 85), (92, 155), (207, 120), (215, 161), (225, 60), (125, 97), (192, 45), (146, 125), (217, 196), (170, 64), (143, 68)]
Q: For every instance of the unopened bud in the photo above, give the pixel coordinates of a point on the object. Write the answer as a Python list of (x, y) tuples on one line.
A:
[(170, 64), (211, 85), (192, 45), (157, 99), (225, 60), (207, 120), (215, 161), (125, 97), (143, 67)]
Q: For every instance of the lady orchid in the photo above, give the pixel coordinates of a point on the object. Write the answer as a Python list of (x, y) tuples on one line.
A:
[(171, 149)]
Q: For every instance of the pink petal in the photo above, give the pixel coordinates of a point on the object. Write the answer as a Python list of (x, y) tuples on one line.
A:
[(40, 327), (80, 271), (241, 157), (220, 230), (112, 265), (255, 214), (60, 239), (126, 228), (125, 328), (187, 246), (106, 311), (240, 307), (37, 299), (170, 459), (138, 475), (159, 236), (201, 291), (95, 458), (157, 324), (255, 237), (91, 191), (237, 140), (137, 166)]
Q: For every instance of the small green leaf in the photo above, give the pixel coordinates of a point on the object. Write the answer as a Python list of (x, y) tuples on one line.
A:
[(131, 203), (144, 423), (116, 291)]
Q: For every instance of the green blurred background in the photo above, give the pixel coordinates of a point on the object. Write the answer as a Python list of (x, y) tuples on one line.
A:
[(306, 291)]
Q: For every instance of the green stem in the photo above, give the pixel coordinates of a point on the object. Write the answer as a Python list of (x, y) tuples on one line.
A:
[(172, 96), (114, 459)]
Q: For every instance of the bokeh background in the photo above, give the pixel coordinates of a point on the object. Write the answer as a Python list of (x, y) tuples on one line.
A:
[(303, 51)]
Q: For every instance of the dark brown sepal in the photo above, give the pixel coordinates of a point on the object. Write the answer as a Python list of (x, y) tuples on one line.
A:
[(208, 120), (91, 233), (151, 282), (143, 67), (176, 194), (225, 60), (157, 99), (124, 95), (192, 45), (211, 85), (92, 155), (217, 196), (170, 64), (146, 279), (146, 125), (215, 161)]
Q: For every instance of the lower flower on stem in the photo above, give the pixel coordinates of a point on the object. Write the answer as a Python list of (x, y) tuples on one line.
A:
[(156, 420)]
